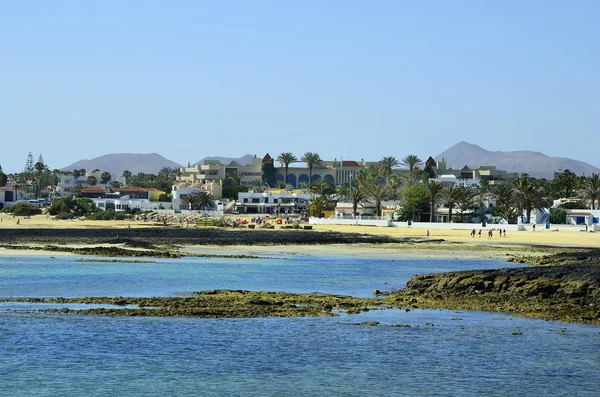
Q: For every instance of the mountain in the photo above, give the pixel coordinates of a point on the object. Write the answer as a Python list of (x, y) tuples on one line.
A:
[(535, 164), (244, 160), (119, 162)]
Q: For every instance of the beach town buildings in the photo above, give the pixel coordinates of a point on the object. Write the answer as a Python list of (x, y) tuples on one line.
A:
[(124, 199), (70, 184)]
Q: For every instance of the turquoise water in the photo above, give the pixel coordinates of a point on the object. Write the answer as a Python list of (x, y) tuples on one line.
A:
[(463, 353)]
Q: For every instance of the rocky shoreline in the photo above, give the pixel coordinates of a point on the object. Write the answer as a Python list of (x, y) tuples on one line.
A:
[(562, 287)]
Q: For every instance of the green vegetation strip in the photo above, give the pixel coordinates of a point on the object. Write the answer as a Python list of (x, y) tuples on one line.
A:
[(221, 304)]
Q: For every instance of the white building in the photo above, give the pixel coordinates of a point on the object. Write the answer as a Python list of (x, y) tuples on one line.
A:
[(279, 202)]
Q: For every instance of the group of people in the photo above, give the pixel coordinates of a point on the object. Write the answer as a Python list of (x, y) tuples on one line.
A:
[(490, 233)]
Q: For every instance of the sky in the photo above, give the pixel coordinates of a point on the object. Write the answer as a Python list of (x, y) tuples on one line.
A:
[(346, 79)]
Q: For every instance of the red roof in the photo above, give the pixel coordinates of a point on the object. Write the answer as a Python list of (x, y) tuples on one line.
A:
[(93, 189)]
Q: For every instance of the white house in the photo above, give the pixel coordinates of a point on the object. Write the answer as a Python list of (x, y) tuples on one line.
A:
[(278, 202)]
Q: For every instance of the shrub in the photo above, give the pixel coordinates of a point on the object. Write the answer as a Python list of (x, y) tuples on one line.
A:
[(108, 216), (23, 209)]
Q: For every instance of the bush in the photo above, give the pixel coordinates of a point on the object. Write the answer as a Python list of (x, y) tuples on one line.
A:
[(108, 216), (23, 209), (558, 215)]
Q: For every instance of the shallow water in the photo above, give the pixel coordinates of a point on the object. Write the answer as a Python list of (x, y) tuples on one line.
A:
[(463, 353)]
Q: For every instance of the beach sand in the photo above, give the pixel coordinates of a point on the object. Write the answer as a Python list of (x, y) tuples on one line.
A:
[(457, 243)]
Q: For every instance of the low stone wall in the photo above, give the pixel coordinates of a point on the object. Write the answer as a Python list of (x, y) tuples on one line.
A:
[(357, 221)]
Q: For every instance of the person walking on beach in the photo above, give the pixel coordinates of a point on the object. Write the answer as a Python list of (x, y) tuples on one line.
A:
[(533, 227), (427, 232), (479, 233), (473, 233)]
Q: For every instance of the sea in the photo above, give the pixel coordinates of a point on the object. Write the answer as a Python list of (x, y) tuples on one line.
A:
[(442, 353)]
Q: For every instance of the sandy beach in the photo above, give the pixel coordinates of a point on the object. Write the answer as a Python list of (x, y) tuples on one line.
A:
[(455, 244)]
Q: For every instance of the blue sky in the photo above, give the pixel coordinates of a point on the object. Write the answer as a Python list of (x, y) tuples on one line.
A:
[(349, 79)]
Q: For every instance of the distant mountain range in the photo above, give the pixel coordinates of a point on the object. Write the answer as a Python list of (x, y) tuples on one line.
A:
[(119, 162), (244, 160), (535, 164)]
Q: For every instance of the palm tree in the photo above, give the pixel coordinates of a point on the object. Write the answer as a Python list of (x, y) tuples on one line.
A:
[(166, 172), (467, 203), (343, 190), (591, 188), (126, 175), (317, 205), (202, 201), (325, 187), (386, 164), (412, 161), (311, 159), (527, 196), (395, 183), (503, 194), (258, 185), (91, 180), (357, 196), (434, 189), (377, 192), (451, 197), (482, 195), (286, 158), (105, 177), (235, 177)]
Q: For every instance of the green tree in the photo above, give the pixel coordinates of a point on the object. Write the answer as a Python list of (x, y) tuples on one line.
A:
[(558, 215), (434, 190), (343, 190), (325, 187), (3, 179), (29, 169), (414, 202), (483, 194), (286, 158), (127, 175), (257, 185), (507, 212), (115, 184), (91, 180), (235, 177), (203, 201), (590, 188), (451, 197), (503, 193), (357, 197), (268, 174), (317, 205), (412, 161), (378, 193), (41, 176), (395, 183), (467, 202), (311, 159), (528, 197), (105, 177), (564, 184), (386, 165)]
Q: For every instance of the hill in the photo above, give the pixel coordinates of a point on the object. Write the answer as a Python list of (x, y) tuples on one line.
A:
[(244, 160), (119, 162), (533, 163)]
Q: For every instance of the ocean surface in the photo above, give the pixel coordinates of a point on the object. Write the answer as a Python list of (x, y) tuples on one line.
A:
[(443, 353)]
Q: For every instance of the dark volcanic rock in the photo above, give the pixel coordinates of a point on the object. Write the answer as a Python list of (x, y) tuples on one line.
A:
[(176, 236)]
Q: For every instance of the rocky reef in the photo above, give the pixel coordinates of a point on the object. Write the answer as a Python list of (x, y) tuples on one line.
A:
[(565, 288)]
